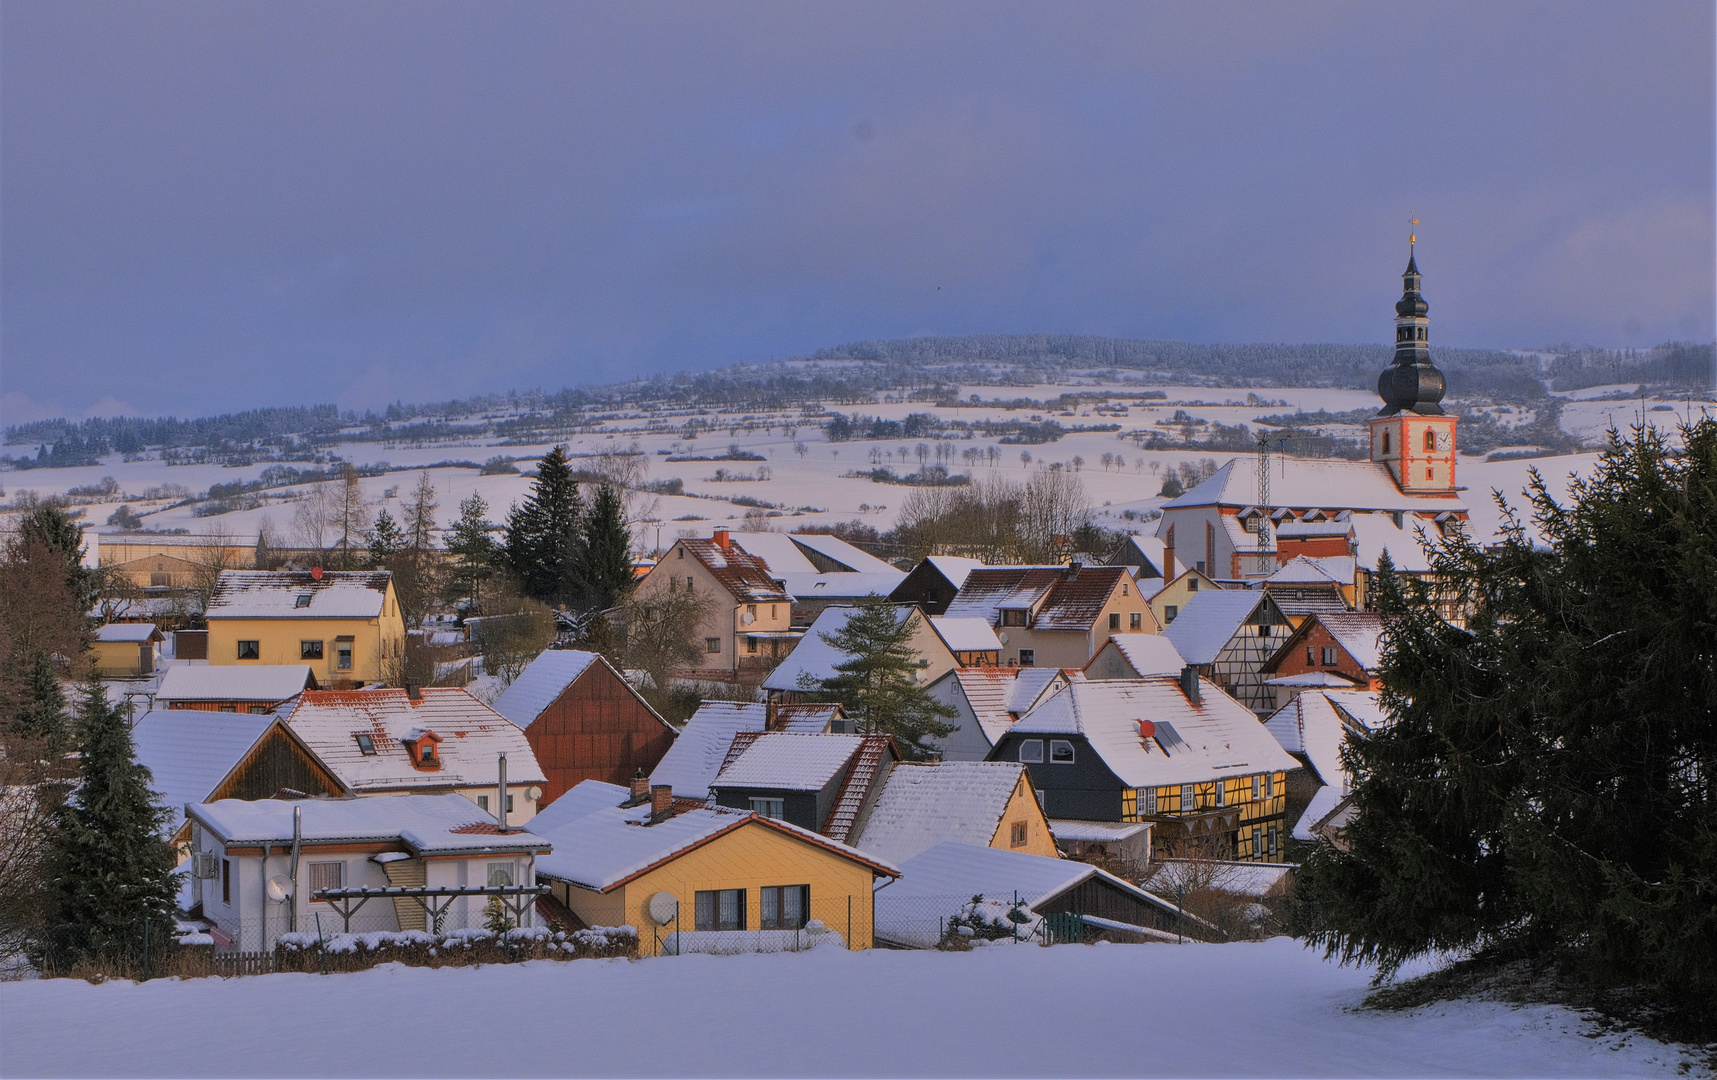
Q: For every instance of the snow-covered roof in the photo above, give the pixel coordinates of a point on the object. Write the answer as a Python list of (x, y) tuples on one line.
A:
[(1218, 737), (1316, 679), (584, 797), (1149, 586), (123, 632), (794, 554), (606, 848), (921, 806), (188, 752), (1374, 534), (807, 717), (438, 824), (1324, 800), (789, 760), (1141, 545), (746, 577), (1359, 633), (1310, 483), (1301, 570), (696, 755), (1316, 724), (261, 683), (1104, 832), (954, 567), (966, 635), (1147, 654), (816, 658), (472, 735), (954, 869), (294, 594), (1307, 530), (855, 559), (1362, 707), (1058, 597), (1031, 686), (1209, 621), (998, 695), (841, 586)]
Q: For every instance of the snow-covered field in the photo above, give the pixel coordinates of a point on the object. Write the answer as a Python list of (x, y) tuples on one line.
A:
[(1264, 1009)]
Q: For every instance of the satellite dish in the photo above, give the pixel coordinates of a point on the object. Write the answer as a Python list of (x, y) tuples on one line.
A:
[(280, 888), (664, 907), (535, 794), (747, 619), (1002, 637)]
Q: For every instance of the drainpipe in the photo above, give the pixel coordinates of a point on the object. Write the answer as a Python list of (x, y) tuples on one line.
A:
[(263, 907), (297, 844), (501, 794)]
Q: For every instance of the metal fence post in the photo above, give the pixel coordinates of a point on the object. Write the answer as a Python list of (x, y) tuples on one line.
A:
[(145, 948), (849, 922)]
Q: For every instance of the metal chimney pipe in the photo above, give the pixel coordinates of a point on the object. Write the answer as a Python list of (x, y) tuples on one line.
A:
[(297, 843), (501, 794)]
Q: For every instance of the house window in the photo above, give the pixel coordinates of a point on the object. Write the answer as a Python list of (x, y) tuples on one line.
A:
[(1114, 620), (483, 802), (751, 610), (1329, 656), (1060, 752), (1274, 839), (772, 612), (1311, 656), (1192, 582), (366, 743), (1386, 442), (343, 655), (249, 650), (1428, 472), (691, 583), (711, 644), (1031, 751), (309, 650), (426, 752), (1013, 617), (303, 600), (1250, 523), (750, 644), (1170, 612), (160, 580), (259, 710), (770, 808), (1186, 800), (226, 881), (1130, 804), (1263, 630), (1257, 843), (509, 803), (1219, 795), (1027, 657), (1136, 621), (326, 875), (1150, 800), (500, 874), (1257, 786), (1269, 785), (784, 907), (227, 708), (720, 909), (1017, 834)]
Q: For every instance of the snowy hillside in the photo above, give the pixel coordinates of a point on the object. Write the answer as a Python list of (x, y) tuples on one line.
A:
[(1265, 1009)]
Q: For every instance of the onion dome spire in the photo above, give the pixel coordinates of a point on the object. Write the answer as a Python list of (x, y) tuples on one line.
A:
[(1411, 383)]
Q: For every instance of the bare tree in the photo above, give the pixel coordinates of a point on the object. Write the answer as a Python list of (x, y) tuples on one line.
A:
[(349, 516), (1054, 503), (310, 520), (208, 559)]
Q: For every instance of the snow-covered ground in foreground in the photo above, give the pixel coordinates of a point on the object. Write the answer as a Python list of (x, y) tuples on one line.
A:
[(1265, 1009)]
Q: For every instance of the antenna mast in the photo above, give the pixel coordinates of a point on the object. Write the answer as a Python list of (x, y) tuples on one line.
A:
[(1264, 491)]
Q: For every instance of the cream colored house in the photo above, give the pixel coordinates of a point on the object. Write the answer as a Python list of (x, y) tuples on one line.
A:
[(988, 803), (749, 626), (1054, 616), (1169, 601), (345, 624)]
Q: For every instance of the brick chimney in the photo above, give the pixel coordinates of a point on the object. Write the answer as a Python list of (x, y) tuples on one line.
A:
[(1073, 569), (413, 690), (661, 802), (1189, 683), (640, 788), (723, 540)]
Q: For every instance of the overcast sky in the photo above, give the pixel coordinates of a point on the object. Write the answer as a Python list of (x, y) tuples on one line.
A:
[(213, 206)]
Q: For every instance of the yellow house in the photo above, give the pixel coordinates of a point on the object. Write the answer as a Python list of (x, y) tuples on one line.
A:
[(345, 624), (1172, 598), (698, 880), (127, 649)]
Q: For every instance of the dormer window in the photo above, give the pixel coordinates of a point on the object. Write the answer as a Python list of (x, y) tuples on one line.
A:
[(422, 746), (1013, 616), (366, 744), (302, 601)]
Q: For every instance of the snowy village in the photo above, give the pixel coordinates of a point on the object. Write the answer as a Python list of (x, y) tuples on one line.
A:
[(1225, 710)]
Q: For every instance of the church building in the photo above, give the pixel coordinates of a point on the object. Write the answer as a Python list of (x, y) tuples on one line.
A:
[(1228, 527)]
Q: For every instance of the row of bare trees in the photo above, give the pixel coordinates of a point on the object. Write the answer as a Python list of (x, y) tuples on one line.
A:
[(995, 518)]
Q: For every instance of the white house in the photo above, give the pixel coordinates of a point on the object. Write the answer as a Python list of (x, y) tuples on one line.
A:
[(257, 865)]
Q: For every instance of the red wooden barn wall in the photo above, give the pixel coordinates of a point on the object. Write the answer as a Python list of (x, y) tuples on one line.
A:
[(598, 729)]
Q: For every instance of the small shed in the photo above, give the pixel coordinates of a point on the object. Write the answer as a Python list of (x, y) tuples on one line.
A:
[(127, 649)]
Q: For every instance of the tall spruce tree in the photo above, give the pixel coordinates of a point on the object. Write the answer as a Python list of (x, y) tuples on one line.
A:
[(386, 541), (875, 683), (109, 864), (42, 712), (544, 534), (606, 563), (51, 527), (1546, 788), (473, 548)]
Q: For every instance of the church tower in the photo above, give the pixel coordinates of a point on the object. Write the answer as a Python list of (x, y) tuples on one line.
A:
[(1411, 434)]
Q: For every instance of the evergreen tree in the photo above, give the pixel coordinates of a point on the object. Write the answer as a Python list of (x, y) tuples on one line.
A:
[(109, 864), (42, 713), (472, 548), (606, 569), (543, 535), (386, 541), (1546, 787), (49, 526), (875, 683)]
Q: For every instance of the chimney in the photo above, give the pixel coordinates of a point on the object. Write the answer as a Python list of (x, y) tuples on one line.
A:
[(1073, 570), (1168, 561), (1189, 683), (640, 788), (661, 802), (501, 793), (413, 690), (722, 540), (770, 716)]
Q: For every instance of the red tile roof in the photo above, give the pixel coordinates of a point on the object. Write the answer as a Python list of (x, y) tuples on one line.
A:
[(744, 575)]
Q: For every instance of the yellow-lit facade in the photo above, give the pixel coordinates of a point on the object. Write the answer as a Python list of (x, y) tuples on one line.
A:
[(1023, 826), (341, 651), (1259, 798)]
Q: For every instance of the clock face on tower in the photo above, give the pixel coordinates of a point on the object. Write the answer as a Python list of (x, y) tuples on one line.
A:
[(1444, 441)]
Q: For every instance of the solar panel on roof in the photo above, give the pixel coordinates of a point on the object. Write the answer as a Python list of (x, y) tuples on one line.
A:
[(1168, 738)]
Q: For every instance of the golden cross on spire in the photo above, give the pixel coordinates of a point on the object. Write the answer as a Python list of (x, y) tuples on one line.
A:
[(1413, 238)]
